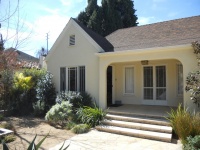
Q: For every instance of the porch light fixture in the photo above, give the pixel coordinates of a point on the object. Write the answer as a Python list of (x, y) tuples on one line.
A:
[(144, 62)]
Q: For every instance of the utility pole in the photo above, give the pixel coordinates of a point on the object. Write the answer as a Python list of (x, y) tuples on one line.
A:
[(47, 41)]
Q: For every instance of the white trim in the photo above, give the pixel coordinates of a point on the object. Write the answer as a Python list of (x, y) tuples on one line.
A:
[(124, 92), (113, 84), (154, 101), (70, 23), (154, 49), (77, 76), (94, 43)]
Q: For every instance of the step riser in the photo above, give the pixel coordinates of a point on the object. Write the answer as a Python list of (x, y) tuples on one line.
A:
[(133, 114), (136, 127), (134, 134), (139, 121)]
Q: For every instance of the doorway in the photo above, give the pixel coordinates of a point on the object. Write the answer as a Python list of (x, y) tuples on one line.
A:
[(154, 90), (109, 85)]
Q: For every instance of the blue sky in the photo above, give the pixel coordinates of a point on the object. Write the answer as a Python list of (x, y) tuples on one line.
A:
[(39, 17)]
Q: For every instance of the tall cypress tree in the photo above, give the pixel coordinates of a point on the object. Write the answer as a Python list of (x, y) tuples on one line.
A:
[(112, 15)]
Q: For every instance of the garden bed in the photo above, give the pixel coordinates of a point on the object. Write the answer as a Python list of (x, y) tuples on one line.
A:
[(26, 129), (5, 132)]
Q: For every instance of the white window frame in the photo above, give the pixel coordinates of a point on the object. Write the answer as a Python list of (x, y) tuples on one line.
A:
[(77, 78), (154, 101), (124, 80), (72, 40), (177, 78)]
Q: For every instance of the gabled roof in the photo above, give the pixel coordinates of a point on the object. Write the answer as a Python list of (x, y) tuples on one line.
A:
[(25, 60), (101, 41), (22, 56), (169, 33)]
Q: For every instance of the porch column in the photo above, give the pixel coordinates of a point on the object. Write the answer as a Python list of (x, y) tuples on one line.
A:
[(102, 85)]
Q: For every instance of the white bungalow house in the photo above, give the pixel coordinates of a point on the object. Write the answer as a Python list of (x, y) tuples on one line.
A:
[(144, 65)]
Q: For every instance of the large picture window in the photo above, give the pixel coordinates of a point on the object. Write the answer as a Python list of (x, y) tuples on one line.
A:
[(76, 79), (129, 80)]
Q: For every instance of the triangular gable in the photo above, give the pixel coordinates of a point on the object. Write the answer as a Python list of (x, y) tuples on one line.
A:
[(74, 23)]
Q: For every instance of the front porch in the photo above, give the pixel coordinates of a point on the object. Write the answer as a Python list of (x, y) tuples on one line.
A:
[(142, 110), (157, 82)]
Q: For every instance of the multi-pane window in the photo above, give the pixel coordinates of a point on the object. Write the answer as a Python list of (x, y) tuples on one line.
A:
[(179, 79), (72, 40), (154, 83), (76, 78), (129, 80), (82, 78), (160, 83), (62, 79), (72, 79), (148, 83)]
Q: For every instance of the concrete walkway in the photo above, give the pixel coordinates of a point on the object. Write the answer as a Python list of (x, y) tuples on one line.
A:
[(95, 140)]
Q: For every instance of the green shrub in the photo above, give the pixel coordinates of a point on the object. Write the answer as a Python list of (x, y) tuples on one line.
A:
[(1, 117), (69, 125), (77, 99), (46, 91), (87, 100), (6, 83), (8, 125), (81, 128), (22, 93), (90, 116), (8, 138), (193, 143), (22, 83), (38, 108), (35, 74), (184, 124), (59, 113)]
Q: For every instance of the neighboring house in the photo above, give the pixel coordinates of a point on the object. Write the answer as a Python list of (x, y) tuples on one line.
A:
[(145, 65), (21, 59)]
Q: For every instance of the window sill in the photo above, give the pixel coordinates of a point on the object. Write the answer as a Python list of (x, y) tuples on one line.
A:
[(128, 94)]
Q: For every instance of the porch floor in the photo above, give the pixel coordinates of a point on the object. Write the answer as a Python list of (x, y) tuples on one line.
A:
[(145, 110)]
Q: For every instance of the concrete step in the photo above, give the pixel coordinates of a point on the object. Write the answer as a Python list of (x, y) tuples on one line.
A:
[(136, 114), (166, 137), (139, 126), (144, 120)]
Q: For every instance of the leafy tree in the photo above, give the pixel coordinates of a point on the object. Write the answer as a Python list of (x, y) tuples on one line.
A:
[(112, 15)]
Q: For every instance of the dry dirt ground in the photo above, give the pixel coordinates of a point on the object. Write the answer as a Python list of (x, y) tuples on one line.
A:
[(26, 129)]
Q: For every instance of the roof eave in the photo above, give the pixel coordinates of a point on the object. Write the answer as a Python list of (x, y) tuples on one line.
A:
[(135, 51)]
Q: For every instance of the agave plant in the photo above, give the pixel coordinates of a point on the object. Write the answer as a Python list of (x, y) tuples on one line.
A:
[(33, 146)]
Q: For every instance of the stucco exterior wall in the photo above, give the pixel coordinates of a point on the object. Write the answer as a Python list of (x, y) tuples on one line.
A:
[(81, 54), (137, 98), (183, 53)]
